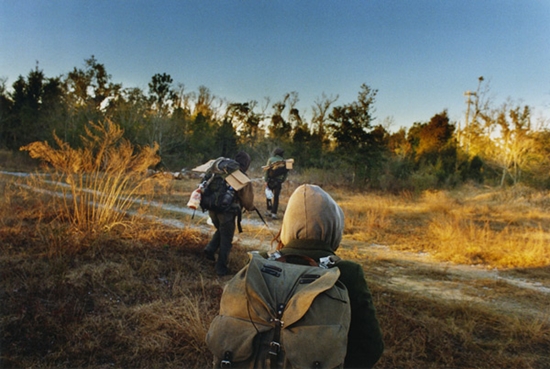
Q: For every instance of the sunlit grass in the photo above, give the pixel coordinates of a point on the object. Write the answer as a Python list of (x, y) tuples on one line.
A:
[(98, 182), (140, 294), (499, 228)]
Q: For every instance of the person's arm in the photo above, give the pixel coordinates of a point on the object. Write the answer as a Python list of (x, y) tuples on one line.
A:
[(365, 343), (269, 162)]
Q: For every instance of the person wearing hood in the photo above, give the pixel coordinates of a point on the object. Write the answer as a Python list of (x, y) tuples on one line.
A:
[(225, 222), (274, 184), (313, 226)]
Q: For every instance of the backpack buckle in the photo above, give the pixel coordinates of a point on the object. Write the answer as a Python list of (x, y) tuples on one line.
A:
[(327, 262), (226, 361), (274, 256), (274, 348)]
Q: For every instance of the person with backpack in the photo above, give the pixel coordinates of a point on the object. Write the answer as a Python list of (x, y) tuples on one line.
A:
[(275, 174), (300, 306), (224, 217), (312, 226)]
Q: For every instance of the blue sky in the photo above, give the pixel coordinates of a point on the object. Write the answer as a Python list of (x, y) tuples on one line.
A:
[(420, 55)]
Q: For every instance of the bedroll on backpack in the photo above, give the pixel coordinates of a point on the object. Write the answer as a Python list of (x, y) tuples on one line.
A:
[(275, 314), (277, 169)]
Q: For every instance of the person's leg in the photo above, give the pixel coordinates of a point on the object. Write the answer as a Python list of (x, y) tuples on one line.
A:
[(268, 204), (226, 231), (214, 243), (276, 193)]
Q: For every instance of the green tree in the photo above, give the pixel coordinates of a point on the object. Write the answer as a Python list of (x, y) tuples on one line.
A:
[(202, 145), (31, 111), (515, 145), (131, 111), (436, 147), (204, 103), (6, 116), (245, 121), (279, 129), (351, 129), (226, 140), (161, 99), (89, 92), (320, 114)]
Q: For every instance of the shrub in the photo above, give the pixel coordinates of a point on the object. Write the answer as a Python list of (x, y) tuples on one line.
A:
[(98, 182)]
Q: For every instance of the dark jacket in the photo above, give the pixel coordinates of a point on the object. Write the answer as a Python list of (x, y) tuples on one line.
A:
[(275, 157), (312, 226)]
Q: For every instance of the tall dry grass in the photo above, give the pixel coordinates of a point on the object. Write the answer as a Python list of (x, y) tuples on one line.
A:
[(503, 228), (99, 182), (143, 296)]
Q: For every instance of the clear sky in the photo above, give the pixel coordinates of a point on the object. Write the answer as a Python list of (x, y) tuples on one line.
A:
[(421, 55)]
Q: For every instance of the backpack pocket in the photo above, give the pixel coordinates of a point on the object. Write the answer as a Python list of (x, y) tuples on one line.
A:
[(322, 346), (233, 335)]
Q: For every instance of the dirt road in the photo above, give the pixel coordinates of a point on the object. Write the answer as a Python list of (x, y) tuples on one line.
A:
[(506, 291), (510, 291)]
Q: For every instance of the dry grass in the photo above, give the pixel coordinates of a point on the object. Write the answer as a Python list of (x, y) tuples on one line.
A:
[(104, 177), (131, 297), (142, 296), (498, 228)]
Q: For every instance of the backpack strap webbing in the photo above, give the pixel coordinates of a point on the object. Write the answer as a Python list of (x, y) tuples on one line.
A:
[(226, 361)]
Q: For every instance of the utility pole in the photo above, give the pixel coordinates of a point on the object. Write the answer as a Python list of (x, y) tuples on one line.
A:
[(468, 94)]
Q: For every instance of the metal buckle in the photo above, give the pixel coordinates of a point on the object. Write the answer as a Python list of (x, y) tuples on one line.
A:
[(326, 262), (274, 348)]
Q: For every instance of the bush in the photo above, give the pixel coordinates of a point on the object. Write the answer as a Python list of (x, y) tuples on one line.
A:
[(99, 181)]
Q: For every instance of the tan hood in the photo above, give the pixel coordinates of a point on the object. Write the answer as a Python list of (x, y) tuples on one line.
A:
[(311, 214)]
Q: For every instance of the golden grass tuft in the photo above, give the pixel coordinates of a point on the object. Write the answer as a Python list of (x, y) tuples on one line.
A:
[(99, 182), (499, 228)]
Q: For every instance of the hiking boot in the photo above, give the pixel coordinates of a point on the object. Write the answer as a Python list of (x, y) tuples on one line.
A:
[(274, 216), (209, 255), (267, 213)]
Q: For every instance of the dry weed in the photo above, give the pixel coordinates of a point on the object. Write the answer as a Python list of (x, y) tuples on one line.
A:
[(141, 295), (104, 177), (504, 229)]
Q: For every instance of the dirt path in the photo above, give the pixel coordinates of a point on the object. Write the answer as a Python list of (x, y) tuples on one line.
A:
[(415, 273), (420, 273)]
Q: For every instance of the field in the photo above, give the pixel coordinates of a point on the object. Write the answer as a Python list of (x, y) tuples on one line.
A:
[(460, 279)]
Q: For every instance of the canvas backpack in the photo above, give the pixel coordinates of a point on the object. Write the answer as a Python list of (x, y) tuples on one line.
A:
[(276, 314), (217, 194)]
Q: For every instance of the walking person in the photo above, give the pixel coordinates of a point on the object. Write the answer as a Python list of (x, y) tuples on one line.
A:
[(225, 221), (312, 226), (275, 174)]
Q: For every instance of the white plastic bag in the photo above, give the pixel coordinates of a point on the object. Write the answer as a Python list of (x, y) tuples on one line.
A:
[(268, 193)]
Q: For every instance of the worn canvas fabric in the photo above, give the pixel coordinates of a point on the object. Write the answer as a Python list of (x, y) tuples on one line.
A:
[(275, 314)]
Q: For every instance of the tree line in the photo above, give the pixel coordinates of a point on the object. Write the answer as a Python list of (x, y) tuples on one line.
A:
[(498, 145)]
